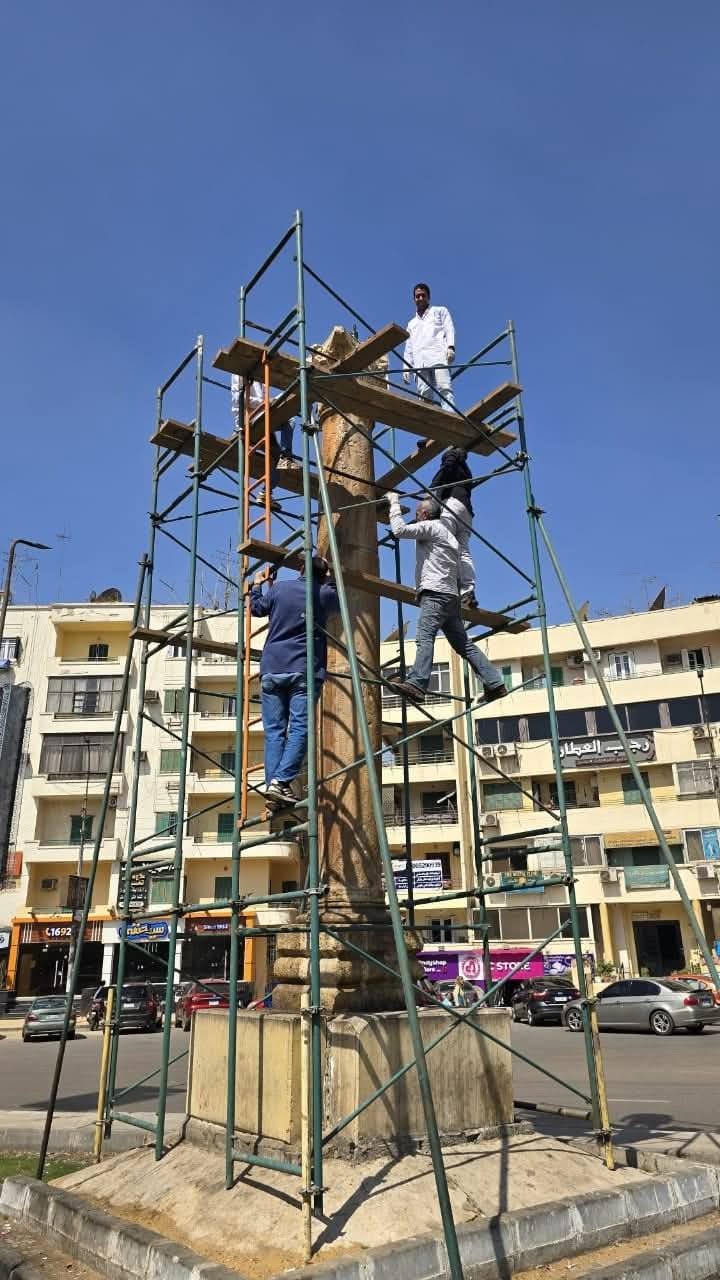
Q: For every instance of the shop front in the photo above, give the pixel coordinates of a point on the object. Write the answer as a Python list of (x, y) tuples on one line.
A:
[(446, 966), (206, 953), (39, 955)]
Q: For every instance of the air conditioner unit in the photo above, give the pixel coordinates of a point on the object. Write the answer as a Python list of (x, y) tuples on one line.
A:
[(491, 882), (506, 749), (112, 802), (488, 752), (143, 757), (152, 695), (595, 653), (490, 820), (704, 871), (673, 660), (576, 659), (50, 883), (699, 731), (608, 875)]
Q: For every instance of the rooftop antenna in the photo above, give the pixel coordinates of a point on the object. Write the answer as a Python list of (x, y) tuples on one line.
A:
[(62, 538)]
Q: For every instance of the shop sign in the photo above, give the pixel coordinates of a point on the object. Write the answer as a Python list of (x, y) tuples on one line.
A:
[(647, 877), (444, 966), (207, 926), (576, 753), (710, 843), (4, 939), (145, 931), (140, 878), (427, 873), (639, 839), (560, 965)]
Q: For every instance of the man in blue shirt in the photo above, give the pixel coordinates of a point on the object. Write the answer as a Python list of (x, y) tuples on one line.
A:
[(283, 672)]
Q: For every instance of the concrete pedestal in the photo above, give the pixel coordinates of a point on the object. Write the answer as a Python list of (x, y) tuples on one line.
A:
[(471, 1079)]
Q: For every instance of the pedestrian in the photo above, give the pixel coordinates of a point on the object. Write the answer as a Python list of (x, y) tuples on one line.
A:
[(463, 993), (430, 349), (437, 584), (281, 450), (452, 485), (283, 671)]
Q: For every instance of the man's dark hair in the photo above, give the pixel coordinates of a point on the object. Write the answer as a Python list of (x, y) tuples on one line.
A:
[(320, 566), (422, 285)]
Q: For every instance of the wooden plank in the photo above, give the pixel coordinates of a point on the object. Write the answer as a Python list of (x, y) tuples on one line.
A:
[(179, 435), (425, 452), (268, 553), (490, 404), (372, 349), (199, 645), (245, 358)]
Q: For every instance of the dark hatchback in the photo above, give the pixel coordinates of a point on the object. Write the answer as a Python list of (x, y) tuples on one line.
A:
[(139, 1007), (542, 1000)]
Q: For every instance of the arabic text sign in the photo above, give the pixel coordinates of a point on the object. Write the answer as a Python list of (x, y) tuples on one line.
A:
[(146, 931), (575, 753), (427, 874)]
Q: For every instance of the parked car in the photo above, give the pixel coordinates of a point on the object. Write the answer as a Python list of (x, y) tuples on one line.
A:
[(45, 1017), (138, 1007), (206, 993), (644, 1004), (703, 978), (542, 1000)]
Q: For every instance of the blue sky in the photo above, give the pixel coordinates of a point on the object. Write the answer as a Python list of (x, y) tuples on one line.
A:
[(550, 162)]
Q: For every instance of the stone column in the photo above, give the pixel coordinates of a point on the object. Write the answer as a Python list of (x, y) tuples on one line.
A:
[(349, 857)]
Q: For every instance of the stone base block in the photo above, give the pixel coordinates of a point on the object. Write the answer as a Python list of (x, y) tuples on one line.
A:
[(471, 1079)]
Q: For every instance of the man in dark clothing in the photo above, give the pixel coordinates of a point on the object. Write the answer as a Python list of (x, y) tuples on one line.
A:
[(452, 486), (283, 672)]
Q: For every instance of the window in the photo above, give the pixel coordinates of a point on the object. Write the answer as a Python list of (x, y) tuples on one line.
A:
[(224, 827), (538, 727), (492, 919), (643, 715), (694, 778), (73, 756), (227, 761), (537, 681), (514, 860), (77, 835), (98, 652), (10, 649), (684, 711), (586, 851), (288, 886), (564, 916), (631, 793), (439, 686), (161, 890), (83, 695), (572, 724), (501, 795), (697, 658), (509, 729), (223, 887), (621, 666), (543, 921), (174, 702), (441, 930), (170, 760), (507, 676), (514, 923), (703, 843), (486, 732), (166, 823), (570, 794), (438, 806), (176, 649)]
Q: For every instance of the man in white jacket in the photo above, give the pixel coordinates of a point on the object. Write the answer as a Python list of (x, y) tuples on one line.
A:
[(437, 583), (430, 349)]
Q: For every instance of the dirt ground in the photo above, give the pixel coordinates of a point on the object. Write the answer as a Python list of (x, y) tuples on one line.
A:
[(621, 1252), (42, 1257)]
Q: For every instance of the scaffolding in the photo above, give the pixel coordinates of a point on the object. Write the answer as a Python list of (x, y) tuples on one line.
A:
[(241, 471)]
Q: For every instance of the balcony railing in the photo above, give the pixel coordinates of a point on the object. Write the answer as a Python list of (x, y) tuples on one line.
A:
[(443, 816), (429, 699), (417, 756)]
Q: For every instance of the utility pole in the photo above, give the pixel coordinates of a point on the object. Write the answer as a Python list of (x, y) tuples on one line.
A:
[(16, 542)]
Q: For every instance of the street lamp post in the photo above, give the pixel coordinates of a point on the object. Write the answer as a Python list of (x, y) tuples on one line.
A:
[(16, 542)]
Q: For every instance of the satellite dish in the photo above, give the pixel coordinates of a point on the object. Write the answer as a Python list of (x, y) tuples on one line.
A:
[(111, 595)]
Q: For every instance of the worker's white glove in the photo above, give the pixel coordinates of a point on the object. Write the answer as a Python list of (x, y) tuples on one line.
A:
[(450, 355), (393, 499), (406, 375)]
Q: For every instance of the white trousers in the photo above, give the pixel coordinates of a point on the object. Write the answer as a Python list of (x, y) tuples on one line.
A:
[(437, 379)]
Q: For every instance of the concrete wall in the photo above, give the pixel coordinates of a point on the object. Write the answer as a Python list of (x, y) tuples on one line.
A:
[(471, 1077)]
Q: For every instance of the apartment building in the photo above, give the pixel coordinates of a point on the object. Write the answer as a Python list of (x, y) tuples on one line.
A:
[(65, 662), (663, 671)]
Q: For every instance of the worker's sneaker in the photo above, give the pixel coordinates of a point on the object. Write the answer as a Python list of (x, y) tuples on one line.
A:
[(259, 501), (286, 462), (407, 689), (281, 792), (491, 693), (468, 599)]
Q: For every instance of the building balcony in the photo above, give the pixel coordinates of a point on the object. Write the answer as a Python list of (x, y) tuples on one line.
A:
[(439, 827), (635, 887), (63, 851), (72, 785), (59, 666), (80, 722), (208, 844)]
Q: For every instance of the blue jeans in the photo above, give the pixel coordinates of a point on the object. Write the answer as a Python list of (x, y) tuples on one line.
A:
[(285, 724), (442, 613), (439, 379)]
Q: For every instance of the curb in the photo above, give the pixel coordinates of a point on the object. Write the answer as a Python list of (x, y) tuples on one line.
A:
[(512, 1242), (699, 1259), (75, 1131), (119, 1249)]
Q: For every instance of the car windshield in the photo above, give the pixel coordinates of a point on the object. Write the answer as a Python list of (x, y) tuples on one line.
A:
[(56, 1003), (134, 993), (212, 987)]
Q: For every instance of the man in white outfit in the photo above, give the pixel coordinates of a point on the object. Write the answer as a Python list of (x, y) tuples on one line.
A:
[(430, 349), (281, 454)]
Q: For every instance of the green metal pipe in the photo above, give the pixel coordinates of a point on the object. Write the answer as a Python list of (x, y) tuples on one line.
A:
[(150, 1076), (637, 775), (176, 372), (75, 970), (266, 1162), (313, 875), (513, 836), (137, 747), (475, 815), (445, 1206), (405, 757), (246, 288), (135, 1121), (532, 513), (178, 868)]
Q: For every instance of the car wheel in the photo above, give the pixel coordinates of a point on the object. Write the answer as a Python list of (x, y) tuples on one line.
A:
[(661, 1023), (25, 1038), (515, 1013), (574, 1020), (696, 1028), (186, 1024), (71, 1035), (531, 1019)]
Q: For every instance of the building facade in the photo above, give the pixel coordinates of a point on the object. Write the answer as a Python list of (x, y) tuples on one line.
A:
[(66, 662)]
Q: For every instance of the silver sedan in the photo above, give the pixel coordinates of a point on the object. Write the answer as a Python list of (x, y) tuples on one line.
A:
[(46, 1017), (649, 1004)]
